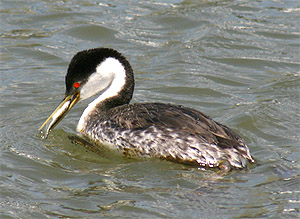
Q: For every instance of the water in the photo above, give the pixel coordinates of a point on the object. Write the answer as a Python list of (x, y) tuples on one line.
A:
[(237, 61)]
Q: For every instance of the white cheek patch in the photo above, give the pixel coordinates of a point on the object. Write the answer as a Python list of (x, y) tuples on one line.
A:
[(96, 83), (109, 74), (112, 67)]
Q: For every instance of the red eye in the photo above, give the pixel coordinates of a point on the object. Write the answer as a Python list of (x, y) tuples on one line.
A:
[(76, 85)]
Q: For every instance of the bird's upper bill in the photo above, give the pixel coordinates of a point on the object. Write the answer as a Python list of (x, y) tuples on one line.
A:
[(59, 113)]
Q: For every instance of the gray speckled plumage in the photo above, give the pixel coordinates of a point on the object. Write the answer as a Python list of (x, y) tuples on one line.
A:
[(167, 131)]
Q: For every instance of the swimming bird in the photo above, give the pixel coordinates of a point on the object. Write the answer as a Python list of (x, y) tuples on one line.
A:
[(167, 131)]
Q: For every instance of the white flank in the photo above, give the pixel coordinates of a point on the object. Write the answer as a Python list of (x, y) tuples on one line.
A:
[(109, 74)]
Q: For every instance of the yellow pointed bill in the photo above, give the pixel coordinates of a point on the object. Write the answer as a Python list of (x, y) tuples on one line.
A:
[(59, 113)]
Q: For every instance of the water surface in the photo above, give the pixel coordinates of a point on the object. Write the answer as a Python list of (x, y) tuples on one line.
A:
[(237, 61)]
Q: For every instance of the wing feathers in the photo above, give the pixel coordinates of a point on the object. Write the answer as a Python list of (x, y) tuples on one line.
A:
[(178, 118)]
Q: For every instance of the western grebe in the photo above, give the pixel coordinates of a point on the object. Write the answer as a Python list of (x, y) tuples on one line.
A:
[(166, 131)]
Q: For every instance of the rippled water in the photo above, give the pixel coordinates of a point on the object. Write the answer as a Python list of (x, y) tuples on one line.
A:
[(237, 61)]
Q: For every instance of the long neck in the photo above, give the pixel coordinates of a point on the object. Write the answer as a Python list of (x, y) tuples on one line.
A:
[(118, 93)]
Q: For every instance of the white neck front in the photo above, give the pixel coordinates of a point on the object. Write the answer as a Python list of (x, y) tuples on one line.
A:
[(110, 75)]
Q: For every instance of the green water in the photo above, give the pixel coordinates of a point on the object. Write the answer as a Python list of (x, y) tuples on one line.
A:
[(237, 61)]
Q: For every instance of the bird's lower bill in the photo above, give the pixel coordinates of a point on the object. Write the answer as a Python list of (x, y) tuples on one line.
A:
[(59, 113)]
